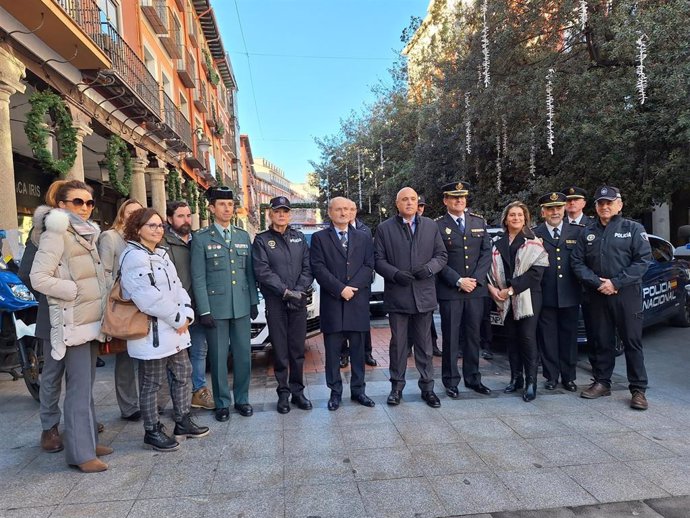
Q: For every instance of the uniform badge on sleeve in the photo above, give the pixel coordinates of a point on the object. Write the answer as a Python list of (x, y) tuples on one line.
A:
[(448, 231), (271, 244), (591, 237)]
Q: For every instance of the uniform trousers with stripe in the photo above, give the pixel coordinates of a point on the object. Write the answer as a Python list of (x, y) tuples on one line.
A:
[(152, 373)]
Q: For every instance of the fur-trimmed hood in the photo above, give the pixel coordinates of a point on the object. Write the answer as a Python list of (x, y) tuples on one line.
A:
[(47, 218)]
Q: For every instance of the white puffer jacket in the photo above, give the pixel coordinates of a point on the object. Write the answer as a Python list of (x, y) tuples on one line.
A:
[(67, 269), (150, 280)]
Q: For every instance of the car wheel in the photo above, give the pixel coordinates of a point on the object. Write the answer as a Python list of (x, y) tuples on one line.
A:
[(682, 319)]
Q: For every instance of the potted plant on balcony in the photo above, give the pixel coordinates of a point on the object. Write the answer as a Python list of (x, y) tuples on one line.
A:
[(211, 73), (219, 129)]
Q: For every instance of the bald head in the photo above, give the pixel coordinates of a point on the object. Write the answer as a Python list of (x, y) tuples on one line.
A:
[(339, 212), (406, 202)]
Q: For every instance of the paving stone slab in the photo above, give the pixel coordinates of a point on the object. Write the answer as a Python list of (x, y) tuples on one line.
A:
[(563, 512), (182, 479), (35, 490), (566, 450), (630, 446), (332, 500), (241, 474), (113, 484), (615, 482), (532, 426), (371, 436), (676, 507), (324, 468), (112, 509), (510, 454), (617, 510), (544, 488), (401, 497), (384, 463), (676, 440), (312, 441), (591, 422), (252, 445), (672, 475), (445, 459), (467, 409), (512, 405), (355, 415), (560, 404), (414, 433), (473, 493), (28, 512), (485, 429), (247, 504)]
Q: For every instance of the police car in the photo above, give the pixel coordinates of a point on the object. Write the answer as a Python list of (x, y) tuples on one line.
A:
[(261, 340), (665, 290)]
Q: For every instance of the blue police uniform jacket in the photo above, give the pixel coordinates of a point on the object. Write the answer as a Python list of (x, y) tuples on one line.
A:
[(560, 286)]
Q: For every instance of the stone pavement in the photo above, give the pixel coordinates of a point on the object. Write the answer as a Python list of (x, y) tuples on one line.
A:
[(488, 456)]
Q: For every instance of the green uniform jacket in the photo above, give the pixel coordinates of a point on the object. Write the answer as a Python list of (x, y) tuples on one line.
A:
[(223, 275)]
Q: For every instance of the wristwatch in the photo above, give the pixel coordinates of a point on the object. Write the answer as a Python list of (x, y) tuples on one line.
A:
[(510, 292)]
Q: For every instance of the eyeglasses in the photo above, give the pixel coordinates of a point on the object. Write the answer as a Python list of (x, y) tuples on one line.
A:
[(155, 226), (78, 202)]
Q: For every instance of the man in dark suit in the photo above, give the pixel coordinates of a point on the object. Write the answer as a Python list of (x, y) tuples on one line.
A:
[(561, 295), (461, 288), (409, 252), (342, 261)]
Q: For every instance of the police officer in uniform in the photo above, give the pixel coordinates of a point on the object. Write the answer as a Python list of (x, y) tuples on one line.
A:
[(561, 295), (226, 299), (610, 259), (281, 265), (575, 203), (461, 288)]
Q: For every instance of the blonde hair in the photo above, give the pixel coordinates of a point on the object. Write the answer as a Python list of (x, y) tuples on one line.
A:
[(119, 223), (51, 193)]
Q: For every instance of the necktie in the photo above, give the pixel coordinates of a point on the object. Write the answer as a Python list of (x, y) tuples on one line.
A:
[(461, 225), (411, 227), (226, 235), (556, 233), (343, 238)]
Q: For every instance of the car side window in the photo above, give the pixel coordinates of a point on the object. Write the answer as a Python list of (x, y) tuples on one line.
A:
[(661, 250)]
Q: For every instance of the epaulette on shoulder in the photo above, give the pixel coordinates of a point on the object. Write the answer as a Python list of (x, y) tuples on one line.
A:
[(438, 219), (203, 230), (476, 215), (578, 224)]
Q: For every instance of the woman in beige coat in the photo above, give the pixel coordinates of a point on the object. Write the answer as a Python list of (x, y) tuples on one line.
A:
[(110, 246), (67, 269)]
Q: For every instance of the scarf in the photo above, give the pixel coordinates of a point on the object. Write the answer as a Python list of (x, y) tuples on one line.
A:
[(85, 229), (531, 253)]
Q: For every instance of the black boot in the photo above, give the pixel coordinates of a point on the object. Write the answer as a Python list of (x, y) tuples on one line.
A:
[(530, 390), (159, 440), (185, 427), (516, 382)]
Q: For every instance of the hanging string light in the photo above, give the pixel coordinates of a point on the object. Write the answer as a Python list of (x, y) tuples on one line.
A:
[(485, 45), (504, 132), (468, 125), (549, 110), (639, 69), (532, 155), (583, 14), (498, 163)]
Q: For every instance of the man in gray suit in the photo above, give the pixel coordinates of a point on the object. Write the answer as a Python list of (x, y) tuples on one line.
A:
[(409, 252)]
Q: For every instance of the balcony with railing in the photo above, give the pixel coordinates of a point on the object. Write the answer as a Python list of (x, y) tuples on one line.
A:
[(156, 13), (200, 97), (172, 39), (174, 128), (192, 31), (186, 69), (127, 84)]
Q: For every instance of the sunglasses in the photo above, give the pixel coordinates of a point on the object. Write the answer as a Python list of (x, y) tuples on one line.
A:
[(78, 202)]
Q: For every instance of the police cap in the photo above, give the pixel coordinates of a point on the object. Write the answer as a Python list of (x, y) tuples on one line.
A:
[(420, 201), (280, 202), (456, 189), (552, 199), (607, 192), (219, 193), (572, 192)]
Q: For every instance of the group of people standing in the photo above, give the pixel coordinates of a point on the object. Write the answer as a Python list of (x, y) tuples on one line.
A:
[(199, 291)]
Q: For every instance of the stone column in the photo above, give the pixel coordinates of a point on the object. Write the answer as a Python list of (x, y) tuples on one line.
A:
[(138, 189), (195, 222), (158, 195), (81, 123), (11, 72)]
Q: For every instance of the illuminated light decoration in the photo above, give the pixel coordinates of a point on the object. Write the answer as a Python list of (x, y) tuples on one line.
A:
[(639, 69), (550, 140), (583, 13), (485, 46), (504, 130), (468, 125), (498, 163), (609, 6), (532, 156)]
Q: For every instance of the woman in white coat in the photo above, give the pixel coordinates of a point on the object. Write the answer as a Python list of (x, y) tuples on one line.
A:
[(150, 280), (67, 270), (111, 243)]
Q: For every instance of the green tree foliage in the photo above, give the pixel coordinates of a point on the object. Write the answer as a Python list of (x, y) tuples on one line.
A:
[(602, 132)]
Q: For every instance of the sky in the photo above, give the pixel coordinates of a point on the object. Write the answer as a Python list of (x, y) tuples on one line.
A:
[(302, 65)]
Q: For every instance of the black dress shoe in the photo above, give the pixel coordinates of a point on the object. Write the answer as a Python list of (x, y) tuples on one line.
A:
[(132, 417), (244, 409), (283, 406), (363, 400), (570, 386), (550, 385), (436, 351), (222, 414), (431, 399), (344, 361), (394, 397), (480, 388), (334, 402), (452, 392), (302, 402), (370, 361)]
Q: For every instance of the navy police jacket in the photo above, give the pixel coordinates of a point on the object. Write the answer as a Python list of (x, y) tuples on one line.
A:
[(619, 251), (560, 287), (281, 262)]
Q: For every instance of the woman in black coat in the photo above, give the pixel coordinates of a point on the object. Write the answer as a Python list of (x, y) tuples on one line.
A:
[(517, 266)]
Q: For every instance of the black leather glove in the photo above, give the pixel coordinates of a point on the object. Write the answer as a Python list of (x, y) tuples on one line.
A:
[(403, 277), (253, 311), (421, 272), (207, 321), (294, 295)]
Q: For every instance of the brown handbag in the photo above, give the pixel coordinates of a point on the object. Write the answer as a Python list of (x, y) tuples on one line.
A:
[(112, 346), (122, 318)]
